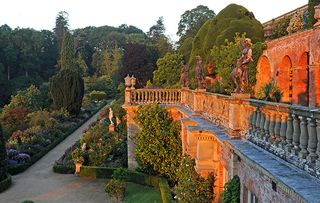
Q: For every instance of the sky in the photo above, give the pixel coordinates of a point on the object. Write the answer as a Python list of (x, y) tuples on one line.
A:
[(41, 14)]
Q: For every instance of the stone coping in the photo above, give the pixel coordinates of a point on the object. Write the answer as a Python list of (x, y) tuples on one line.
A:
[(300, 183)]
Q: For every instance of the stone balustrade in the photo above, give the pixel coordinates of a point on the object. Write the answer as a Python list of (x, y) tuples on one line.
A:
[(290, 132), (147, 96)]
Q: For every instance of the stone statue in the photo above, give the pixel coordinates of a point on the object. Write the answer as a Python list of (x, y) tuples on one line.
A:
[(111, 116), (184, 78), (240, 73), (199, 73)]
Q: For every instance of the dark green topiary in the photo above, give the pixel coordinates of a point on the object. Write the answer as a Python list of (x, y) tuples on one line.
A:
[(67, 89), (311, 19), (3, 157), (231, 20)]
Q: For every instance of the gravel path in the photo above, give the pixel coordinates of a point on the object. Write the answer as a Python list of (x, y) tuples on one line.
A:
[(39, 184)]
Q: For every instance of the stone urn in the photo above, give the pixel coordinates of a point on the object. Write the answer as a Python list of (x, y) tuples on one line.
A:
[(133, 82), (78, 167)]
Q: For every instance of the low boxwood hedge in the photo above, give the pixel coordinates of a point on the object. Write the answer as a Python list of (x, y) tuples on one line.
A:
[(14, 169), (5, 184), (63, 169), (132, 176)]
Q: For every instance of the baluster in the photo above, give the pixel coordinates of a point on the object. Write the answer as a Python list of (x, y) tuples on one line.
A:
[(170, 97), (312, 144), (283, 130), (271, 127), (277, 129), (257, 134), (289, 133), (133, 97), (296, 134), (266, 127), (250, 120), (304, 137), (254, 118), (262, 121), (318, 144)]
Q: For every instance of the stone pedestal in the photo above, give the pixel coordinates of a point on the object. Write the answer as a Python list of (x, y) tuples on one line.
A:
[(235, 113), (111, 128)]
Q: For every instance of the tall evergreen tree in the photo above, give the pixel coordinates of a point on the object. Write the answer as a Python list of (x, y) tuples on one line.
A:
[(3, 156), (311, 5), (61, 27), (67, 87), (67, 54)]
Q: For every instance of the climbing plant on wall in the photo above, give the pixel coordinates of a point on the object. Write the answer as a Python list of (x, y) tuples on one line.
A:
[(231, 191)]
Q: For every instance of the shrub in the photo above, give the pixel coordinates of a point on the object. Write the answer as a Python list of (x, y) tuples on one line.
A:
[(5, 184), (27, 201), (15, 119), (191, 186), (67, 89), (270, 92), (157, 144), (231, 191), (120, 174), (115, 188), (97, 95)]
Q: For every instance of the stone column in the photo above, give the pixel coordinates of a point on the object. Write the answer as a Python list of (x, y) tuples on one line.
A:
[(262, 121), (296, 134), (132, 129), (266, 127), (313, 140), (304, 137), (271, 128), (277, 129), (289, 133), (283, 130)]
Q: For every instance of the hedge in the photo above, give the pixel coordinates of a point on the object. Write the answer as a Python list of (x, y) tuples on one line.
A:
[(63, 169), (5, 184), (132, 176), (14, 169)]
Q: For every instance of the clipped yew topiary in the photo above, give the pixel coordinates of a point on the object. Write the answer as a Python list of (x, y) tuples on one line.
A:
[(231, 20), (67, 90)]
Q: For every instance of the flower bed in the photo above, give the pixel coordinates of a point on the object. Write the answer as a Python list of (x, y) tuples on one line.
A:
[(28, 146)]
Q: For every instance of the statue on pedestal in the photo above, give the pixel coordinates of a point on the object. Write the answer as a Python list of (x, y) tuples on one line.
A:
[(240, 73), (184, 78), (111, 126), (199, 73)]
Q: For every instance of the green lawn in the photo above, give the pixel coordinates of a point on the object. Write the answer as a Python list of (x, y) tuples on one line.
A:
[(136, 193)]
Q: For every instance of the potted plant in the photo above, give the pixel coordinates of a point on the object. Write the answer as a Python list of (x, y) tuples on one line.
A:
[(77, 156)]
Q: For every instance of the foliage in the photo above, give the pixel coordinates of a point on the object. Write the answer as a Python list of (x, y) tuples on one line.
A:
[(157, 144), (230, 20), (295, 24), (168, 72), (311, 19), (15, 119), (29, 98), (138, 61), (115, 188), (61, 27), (77, 155), (280, 28), (270, 92), (66, 90), (27, 201), (120, 174), (149, 85), (67, 55), (192, 20), (231, 191), (191, 186), (157, 30), (97, 95), (3, 156), (225, 58), (103, 83)]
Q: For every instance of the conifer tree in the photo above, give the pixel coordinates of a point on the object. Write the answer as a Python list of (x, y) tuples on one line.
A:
[(67, 86)]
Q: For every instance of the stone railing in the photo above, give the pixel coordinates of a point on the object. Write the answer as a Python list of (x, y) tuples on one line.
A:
[(290, 132), (147, 96)]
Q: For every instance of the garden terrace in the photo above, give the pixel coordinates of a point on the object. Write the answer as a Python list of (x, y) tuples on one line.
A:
[(274, 145)]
